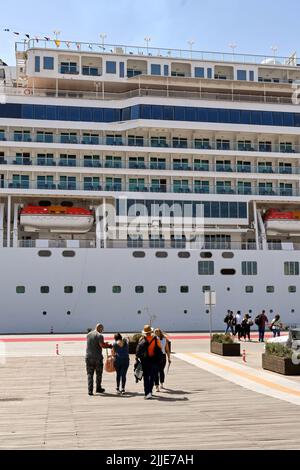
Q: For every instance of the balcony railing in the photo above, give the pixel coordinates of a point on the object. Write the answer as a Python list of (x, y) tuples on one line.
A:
[(154, 142), (162, 93), (128, 163), (102, 185)]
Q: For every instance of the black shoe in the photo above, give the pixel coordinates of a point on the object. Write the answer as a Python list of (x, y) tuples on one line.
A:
[(91, 393), (100, 390)]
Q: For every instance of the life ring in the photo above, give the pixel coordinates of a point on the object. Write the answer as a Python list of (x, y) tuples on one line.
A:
[(27, 91)]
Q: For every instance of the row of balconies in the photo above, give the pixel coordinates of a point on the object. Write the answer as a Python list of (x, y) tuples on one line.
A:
[(155, 141), (92, 183), (177, 164)]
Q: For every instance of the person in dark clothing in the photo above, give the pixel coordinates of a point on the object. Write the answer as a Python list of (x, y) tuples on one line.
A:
[(149, 352), (229, 320), (165, 342), (261, 320), (120, 352), (94, 358), (246, 327)]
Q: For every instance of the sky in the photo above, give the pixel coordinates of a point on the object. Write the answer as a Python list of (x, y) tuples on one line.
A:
[(253, 25)]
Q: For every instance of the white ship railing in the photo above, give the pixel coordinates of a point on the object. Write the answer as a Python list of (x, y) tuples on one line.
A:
[(149, 51), (89, 95)]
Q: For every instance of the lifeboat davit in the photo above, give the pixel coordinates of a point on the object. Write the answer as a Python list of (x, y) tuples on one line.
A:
[(287, 222), (56, 219)]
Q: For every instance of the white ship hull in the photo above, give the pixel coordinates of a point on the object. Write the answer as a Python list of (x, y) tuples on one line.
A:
[(129, 311)]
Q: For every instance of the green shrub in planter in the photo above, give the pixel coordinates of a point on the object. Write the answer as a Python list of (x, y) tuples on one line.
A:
[(279, 350), (222, 339)]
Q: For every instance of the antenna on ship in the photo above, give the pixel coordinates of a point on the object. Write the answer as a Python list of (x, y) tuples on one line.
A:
[(147, 39), (233, 46), (274, 49), (103, 36), (191, 42)]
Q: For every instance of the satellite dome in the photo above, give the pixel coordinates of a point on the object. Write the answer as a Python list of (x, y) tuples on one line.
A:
[(271, 61)]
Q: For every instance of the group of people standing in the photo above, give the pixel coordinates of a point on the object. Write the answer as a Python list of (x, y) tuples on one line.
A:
[(240, 325), (152, 353)]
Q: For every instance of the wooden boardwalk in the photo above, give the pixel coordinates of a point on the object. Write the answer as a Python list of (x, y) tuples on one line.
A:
[(44, 405)]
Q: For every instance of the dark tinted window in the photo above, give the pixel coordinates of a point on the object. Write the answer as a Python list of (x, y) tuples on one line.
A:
[(44, 253)]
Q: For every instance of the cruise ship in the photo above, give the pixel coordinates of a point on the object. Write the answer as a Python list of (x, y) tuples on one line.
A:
[(133, 180)]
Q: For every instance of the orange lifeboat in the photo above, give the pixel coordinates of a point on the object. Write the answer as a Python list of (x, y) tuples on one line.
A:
[(56, 219), (285, 222)]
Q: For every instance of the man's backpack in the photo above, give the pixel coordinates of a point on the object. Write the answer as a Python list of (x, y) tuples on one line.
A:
[(142, 350), (257, 320)]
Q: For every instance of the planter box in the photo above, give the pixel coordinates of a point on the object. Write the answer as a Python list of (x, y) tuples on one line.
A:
[(280, 365), (225, 349)]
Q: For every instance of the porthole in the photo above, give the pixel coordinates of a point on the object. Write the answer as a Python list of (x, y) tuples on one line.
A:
[(161, 254), (20, 289), (206, 289), (116, 289), (184, 254), (293, 310), (162, 289), (139, 289), (68, 312), (206, 255), (91, 289), (68, 289), (270, 289), (185, 312), (249, 290), (139, 312), (44, 313), (292, 289), (139, 254), (69, 253), (45, 289), (228, 289), (271, 311), (44, 203), (228, 255), (228, 272), (184, 289), (44, 253)]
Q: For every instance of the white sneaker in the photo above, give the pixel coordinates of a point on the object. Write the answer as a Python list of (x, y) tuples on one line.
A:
[(148, 397)]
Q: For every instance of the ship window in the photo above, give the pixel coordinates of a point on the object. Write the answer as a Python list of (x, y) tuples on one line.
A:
[(37, 63), (44, 203), (270, 289), (44, 253), (227, 255), (69, 254), (139, 289), (228, 272), (116, 290), (67, 204), (249, 289), (206, 254), (249, 268), (45, 289), (139, 254), (242, 75), (206, 289), (155, 69), (184, 254), (111, 67), (68, 289), (161, 254), (184, 289), (44, 313), (48, 63), (291, 268), (199, 72), (292, 289), (91, 289), (206, 268), (20, 289), (68, 312), (162, 289)]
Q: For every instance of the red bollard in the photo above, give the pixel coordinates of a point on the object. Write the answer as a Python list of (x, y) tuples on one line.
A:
[(57, 351), (244, 355)]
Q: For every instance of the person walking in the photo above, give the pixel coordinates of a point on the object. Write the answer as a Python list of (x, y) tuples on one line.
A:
[(246, 326), (276, 326), (229, 320), (164, 341), (94, 358), (261, 321), (120, 351), (149, 352), (238, 324)]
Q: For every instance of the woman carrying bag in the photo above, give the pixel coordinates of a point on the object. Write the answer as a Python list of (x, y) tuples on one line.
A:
[(120, 352)]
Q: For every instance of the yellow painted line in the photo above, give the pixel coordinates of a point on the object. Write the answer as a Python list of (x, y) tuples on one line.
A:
[(246, 375)]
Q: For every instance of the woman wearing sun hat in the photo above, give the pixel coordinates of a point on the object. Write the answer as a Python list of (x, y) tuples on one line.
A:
[(149, 352)]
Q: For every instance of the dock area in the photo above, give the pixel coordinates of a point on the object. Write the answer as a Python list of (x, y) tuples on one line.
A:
[(44, 402)]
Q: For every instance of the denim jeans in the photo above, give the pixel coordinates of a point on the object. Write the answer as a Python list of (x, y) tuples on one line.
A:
[(150, 370), (276, 333), (261, 332), (121, 370)]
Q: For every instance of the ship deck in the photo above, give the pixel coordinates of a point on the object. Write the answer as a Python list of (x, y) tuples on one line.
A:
[(44, 402)]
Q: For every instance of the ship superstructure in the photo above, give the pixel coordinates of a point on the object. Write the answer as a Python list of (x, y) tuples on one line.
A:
[(132, 180)]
